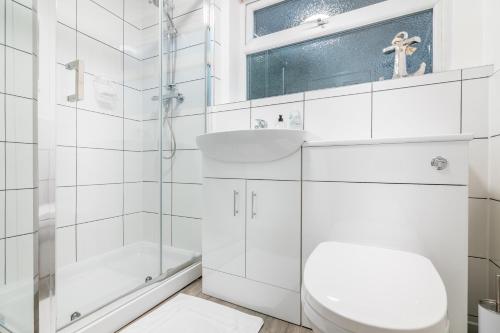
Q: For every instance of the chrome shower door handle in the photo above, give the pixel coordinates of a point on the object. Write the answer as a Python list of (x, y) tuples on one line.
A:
[(235, 203), (79, 68), (254, 199)]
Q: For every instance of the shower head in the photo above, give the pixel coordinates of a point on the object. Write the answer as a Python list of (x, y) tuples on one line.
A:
[(155, 2)]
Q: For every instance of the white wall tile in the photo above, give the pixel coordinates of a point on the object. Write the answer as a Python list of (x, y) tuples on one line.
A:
[(191, 29), (65, 44), (132, 103), (19, 26), (27, 3), (2, 262), (19, 259), (133, 166), (2, 25), (494, 230), (478, 283), (478, 228), (186, 233), (478, 168), (132, 135), (194, 99), (277, 100), (19, 209), (114, 6), (186, 130), (495, 167), (187, 200), (140, 229), (65, 206), (100, 59), (167, 198), (99, 131), (19, 73), (230, 106), (190, 64), (185, 6), (335, 118), (19, 119), (133, 197), (151, 199), (477, 72), (66, 247), (89, 13), (136, 75), (97, 238), (166, 230), (415, 81), (65, 166), (228, 120), (98, 202), (101, 95), (66, 12), (271, 113), (475, 107), (150, 135), (186, 167), (2, 117), (495, 104), (151, 166), (19, 165), (149, 41), (2, 67), (419, 111), (339, 91), (65, 125), (98, 166), (2, 216)]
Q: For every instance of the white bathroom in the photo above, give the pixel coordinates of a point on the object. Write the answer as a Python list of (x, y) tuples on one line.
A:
[(246, 166)]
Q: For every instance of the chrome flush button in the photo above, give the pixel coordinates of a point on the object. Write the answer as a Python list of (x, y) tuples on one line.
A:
[(439, 163)]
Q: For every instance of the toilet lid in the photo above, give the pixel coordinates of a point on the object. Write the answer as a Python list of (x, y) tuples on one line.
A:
[(367, 289)]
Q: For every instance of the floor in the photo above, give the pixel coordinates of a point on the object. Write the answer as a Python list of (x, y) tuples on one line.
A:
[(271, 325)]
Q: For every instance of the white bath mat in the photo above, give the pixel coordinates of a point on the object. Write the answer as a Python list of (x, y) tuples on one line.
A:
[(188, 314)]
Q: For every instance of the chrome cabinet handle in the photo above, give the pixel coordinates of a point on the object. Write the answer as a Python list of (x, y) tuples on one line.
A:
[(439, 163), (79, 67), (254, 199), (235, 206)]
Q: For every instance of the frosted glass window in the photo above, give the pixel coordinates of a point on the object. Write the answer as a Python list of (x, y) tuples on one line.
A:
[(350, 57), (291, 13)]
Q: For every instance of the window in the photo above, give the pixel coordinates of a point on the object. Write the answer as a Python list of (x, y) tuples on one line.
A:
[(291, 13), (285, 56)]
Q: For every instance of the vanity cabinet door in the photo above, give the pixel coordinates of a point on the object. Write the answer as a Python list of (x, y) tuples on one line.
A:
[(273, 232), (224, 225)]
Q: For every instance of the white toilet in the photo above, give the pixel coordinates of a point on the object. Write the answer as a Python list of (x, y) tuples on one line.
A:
[(350, 288)]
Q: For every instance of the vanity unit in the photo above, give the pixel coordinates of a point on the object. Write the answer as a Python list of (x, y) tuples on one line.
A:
[(270, 204), (252, 219)]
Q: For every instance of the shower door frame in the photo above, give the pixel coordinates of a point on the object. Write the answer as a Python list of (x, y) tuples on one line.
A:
[(45, 245)]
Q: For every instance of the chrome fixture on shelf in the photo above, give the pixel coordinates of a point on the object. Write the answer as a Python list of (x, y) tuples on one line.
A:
[(260, 123), (439, 163), (402, 46)]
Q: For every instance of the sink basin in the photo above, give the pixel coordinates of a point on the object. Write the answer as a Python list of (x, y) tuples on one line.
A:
[(251, 146)]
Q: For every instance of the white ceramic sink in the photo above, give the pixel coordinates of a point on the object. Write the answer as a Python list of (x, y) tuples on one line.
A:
[(251, 146)]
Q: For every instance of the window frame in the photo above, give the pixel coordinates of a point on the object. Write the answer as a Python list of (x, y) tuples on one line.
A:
[(365, 16)]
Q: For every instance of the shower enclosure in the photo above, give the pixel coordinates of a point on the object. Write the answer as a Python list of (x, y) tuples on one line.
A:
[(116, 193), (123, 212)]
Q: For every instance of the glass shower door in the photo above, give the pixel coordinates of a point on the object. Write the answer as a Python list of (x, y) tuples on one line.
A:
[(18, 176), (108, 185)]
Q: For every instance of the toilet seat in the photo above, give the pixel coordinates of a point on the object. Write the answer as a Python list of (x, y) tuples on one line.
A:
[(365, 289)]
